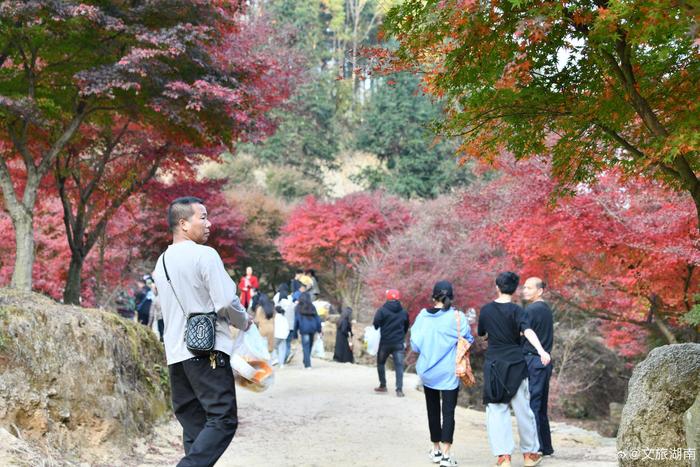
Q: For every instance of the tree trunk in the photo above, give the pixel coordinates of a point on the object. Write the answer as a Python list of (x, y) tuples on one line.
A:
[(23, 223), (71, 294)]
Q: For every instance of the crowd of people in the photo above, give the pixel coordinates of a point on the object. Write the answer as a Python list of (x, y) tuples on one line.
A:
[(516, 371), (289, 315), (142, 305)]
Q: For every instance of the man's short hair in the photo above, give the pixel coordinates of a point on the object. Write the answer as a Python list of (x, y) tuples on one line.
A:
[(181, 208), (507, 282), (540, 284)]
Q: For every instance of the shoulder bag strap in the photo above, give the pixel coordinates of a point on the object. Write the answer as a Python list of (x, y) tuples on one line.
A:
[(459, 325), (167, 277)]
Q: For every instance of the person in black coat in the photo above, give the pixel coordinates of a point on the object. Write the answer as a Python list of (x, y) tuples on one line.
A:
[(343, 336), (307, 323), (392, 321), (143, 300)]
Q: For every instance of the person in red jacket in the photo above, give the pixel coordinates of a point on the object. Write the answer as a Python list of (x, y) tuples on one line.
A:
[(247, 282)]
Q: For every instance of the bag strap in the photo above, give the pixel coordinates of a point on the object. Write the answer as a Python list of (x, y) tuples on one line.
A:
[(167, 277), (459, 330)]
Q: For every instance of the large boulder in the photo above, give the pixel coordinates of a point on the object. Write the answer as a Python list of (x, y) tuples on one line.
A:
[(77, 379), (662, 389)]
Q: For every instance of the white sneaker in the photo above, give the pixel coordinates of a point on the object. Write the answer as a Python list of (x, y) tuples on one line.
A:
[(435, 455), (447, 462)]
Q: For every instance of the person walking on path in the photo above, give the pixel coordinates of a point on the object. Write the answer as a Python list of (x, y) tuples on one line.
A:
[(295, 283), (263, 311), (434, 336), (343, 337), (283, 299), (281, 332), (191, 278), (307, 323), (392, 321), (505, 374), (314, 289), (539, 314), (246, 284), (144, 298), (156, 314)]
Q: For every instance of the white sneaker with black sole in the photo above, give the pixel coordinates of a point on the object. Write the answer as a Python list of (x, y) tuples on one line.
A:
[(447, 462), (435, 455)]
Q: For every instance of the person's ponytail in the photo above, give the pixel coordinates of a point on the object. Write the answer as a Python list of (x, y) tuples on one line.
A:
[(446, 303)]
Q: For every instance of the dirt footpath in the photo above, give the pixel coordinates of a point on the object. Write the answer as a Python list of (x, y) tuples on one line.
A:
[(329, 416)]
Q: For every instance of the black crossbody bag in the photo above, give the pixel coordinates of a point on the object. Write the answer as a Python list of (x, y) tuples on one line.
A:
[(200, 328)]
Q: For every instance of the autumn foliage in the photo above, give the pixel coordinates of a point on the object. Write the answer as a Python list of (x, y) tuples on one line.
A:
[(335, 236), (622, 251), (169, 80), (593, 85)]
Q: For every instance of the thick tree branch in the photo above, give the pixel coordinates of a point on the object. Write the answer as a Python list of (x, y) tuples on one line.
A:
[(12, 203), (19, 141), (68, 219), (94, 235), (66, 135), (686, 287), (658, 321)]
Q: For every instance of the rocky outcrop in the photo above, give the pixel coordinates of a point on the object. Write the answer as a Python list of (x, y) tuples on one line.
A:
[(77, 379), (662, 389)]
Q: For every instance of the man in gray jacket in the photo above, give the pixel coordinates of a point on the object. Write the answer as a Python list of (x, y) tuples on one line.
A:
[(203, 391)]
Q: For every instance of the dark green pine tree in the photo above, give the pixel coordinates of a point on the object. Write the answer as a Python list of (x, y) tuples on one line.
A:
[(396, 127)]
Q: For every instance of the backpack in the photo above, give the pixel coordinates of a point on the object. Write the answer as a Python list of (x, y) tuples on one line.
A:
[(463, 367)]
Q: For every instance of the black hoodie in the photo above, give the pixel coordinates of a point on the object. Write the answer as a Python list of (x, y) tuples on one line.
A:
[(393, 321)]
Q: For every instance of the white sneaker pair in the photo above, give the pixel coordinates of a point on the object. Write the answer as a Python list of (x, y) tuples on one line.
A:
[(437, 457)]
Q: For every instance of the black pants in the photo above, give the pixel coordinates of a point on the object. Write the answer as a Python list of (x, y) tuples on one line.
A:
[(538, 379), (161, 328), (397, 352), (204, 402), (441, 431)]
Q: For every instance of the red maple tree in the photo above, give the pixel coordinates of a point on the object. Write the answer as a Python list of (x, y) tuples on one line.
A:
[(335, 236)]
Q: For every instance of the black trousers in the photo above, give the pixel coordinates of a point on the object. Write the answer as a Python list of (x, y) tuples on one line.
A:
[(441, 431), (161, 329), (538, 379), (204, 402)]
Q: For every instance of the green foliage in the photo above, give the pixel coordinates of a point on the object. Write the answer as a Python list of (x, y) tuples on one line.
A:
[(306, 137), (290, 184), (693, 316), (304, 16), (396, 129), (594, 84), (236, 169)]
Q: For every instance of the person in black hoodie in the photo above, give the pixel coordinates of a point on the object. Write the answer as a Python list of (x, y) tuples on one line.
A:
[(392, 321), (307, 323)]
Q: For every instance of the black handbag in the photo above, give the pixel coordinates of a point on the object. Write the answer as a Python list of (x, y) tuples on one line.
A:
[(200, 328)]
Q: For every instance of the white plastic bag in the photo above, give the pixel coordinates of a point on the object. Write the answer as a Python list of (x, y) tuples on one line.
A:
[(317, 350), (251, 361), (372, 340)]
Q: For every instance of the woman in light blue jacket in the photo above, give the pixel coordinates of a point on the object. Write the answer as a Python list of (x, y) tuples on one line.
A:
[(434, 336)]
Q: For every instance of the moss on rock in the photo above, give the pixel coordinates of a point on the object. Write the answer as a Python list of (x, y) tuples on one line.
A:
[(77, 378)]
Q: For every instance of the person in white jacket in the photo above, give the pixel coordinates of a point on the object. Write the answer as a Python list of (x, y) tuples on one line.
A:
[(283, 299), (281, 333)]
